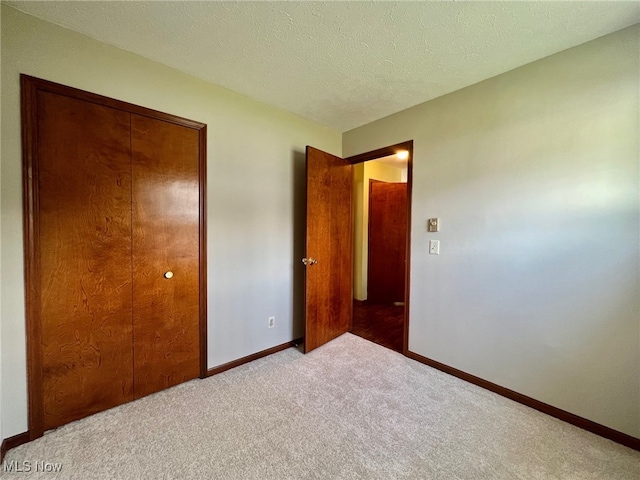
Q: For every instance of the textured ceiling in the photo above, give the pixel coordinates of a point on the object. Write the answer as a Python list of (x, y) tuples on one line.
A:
[(341, 64)]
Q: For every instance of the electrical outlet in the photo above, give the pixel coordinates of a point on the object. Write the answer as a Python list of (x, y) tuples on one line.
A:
[(272, 322)]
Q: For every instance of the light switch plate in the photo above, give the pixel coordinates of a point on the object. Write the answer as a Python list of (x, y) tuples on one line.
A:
[(434, 247), (433, 225)]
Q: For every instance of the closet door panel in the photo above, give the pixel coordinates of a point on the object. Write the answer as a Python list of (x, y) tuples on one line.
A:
[(166, 222), (84, 250)]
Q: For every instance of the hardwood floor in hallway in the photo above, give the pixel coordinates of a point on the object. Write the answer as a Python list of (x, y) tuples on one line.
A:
[(379, 323)]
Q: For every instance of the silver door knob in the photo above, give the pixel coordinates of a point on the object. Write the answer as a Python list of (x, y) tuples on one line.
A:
[(168, 274), (309, 261)]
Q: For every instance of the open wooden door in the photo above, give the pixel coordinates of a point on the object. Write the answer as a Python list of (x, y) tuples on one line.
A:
[(329, 249)]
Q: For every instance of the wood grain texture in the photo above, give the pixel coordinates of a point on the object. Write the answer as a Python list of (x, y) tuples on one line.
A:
[(31, 90), (380, 323), (329, 283), (407, 279), (387, 242), (30, 202), (381, 152), (45, 85), (85, 257), (166, 237), (202, 173)]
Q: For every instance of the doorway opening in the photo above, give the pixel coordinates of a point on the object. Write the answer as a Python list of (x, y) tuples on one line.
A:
[(381, 202)]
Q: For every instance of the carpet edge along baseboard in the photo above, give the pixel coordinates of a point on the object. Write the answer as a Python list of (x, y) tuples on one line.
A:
[(12, 442), (254, 356), (581, 422), (593, 427)]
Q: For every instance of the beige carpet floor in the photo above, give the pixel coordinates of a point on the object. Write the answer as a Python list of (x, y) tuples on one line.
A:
[(349, 410)]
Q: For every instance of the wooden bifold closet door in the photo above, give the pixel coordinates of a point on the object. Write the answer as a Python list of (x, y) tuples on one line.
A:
[(165, 239), (84, 189), (114, 251)]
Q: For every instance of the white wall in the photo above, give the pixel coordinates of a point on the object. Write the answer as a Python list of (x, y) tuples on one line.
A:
[(255, 184), (535, 175), (362, 174)]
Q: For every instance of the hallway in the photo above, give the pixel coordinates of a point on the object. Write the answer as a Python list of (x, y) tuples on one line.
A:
[(379, 323)]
